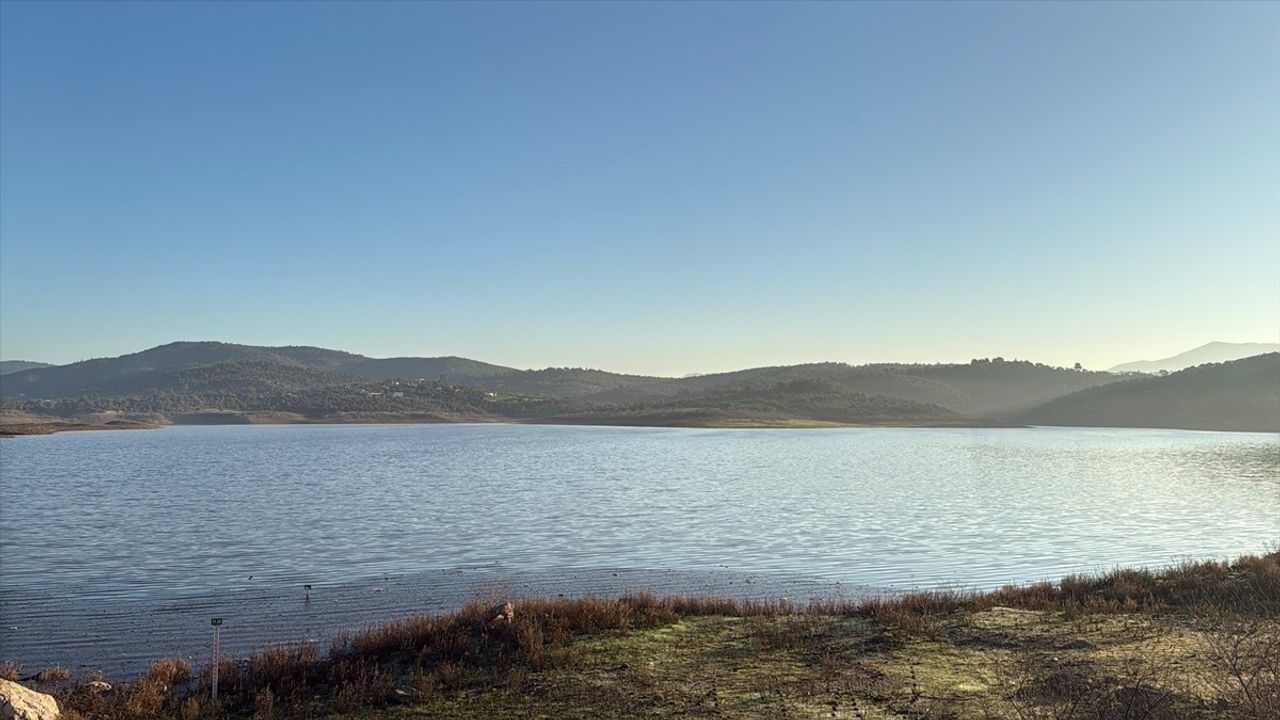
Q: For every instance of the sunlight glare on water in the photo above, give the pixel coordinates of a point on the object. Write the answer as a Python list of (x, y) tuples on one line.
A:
[(189, 508)]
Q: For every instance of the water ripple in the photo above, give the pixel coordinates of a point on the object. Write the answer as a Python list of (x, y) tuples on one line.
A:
[(98, 530)]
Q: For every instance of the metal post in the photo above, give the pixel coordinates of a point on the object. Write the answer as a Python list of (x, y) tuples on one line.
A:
[(217, 643), (308, 591)]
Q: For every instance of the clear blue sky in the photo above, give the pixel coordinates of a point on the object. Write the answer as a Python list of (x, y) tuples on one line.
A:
[(662, 188)]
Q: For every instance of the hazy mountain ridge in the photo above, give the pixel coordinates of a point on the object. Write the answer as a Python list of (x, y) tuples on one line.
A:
[(994, 388), (1241, 395), (12, 366), (986, 388), (1214, 352), (195, 376)]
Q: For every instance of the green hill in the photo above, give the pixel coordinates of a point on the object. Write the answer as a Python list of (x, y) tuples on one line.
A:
[(985, 388), (154, 369), (1239, 395), (578, 383), (787, 404), (453, 369), (243, 376), (208, 393), (247, 376)]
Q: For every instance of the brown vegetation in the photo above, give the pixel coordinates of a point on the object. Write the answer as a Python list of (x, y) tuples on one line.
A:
[(1234, 607), (17, 429)]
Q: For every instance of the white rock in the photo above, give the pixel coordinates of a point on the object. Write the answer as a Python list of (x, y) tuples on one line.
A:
[(21, 703)]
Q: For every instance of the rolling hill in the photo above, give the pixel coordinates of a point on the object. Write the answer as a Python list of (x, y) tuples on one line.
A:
[(154, 370), (389, 400), (1214, 352), (204, 400), (1241, 395), (992, 388), (12, 366), (210, 376), (796, 403), (982, 388), (454, 369)]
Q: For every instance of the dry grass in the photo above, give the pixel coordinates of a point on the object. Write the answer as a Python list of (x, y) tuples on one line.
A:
[(54, 674), (435, 657)]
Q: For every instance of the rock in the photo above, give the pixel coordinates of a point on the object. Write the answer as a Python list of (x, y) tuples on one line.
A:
[(404, 696), (99, 686), (21, 703), (502, 613)]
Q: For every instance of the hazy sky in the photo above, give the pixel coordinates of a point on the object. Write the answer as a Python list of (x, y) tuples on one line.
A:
[(663, 188)]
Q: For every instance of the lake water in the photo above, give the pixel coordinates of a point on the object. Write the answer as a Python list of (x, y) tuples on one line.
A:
[(116, 544)]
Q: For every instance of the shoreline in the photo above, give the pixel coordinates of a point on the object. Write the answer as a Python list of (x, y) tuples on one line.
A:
[(118, 633), (23, 429), (632, 655), (49, 428)]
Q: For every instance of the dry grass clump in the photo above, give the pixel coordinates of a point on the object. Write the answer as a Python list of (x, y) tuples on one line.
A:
[(1249, 584), (264, 705), (170, 671), (494, 646), (53, 674), (10, 671)]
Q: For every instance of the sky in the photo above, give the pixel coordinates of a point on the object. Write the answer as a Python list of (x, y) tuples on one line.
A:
[(661, 188)]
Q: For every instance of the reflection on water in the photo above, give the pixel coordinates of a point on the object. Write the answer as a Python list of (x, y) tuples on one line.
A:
[(189, 508), (145, 516)]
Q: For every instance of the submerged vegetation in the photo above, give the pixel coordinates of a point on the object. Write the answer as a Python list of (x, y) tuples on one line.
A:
[(1198, 640)]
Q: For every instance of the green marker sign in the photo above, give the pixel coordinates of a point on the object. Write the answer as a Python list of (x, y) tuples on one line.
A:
[(215, 621)]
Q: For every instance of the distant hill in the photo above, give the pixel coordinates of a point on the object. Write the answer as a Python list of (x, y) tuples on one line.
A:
[(993, 388), (153, 370), (1214, 352), (222, 390), (454, 369), (988, 388), (12, 366), (205, 398), (582, 384), (249, 377), (1239, 395), (788, 404)]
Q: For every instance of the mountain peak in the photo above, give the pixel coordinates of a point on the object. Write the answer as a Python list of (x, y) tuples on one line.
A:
[(1211, 352)]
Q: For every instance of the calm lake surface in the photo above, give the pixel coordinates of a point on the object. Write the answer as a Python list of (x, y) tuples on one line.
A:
[(99, 529)]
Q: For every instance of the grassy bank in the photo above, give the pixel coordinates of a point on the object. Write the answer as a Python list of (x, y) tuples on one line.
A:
[(1198, 640)]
